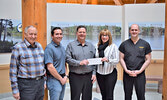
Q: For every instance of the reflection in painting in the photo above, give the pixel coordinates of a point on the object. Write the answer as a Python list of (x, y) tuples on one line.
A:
[(152, 33), (10, 34), (93, 29)]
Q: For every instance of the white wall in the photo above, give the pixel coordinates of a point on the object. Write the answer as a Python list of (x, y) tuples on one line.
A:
[(82, 13), (9, 9), (143, 13)]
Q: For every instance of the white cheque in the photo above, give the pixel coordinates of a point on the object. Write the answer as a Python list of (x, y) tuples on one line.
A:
[(94, 61)]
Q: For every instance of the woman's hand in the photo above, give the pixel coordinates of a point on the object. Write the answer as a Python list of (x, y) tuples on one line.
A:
[(104, 59)]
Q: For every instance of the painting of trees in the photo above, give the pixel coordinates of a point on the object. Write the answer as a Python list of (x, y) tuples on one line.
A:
[(7, 32)]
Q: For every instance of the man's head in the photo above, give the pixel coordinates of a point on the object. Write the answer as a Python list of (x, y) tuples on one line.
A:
[(81, 33), (30, 34), (57, 35), (134, 31)]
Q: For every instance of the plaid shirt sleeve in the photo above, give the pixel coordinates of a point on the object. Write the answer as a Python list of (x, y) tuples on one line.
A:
[(13, 71)]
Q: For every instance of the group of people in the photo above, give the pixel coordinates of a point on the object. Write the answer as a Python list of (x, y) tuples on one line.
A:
[(30, 65)]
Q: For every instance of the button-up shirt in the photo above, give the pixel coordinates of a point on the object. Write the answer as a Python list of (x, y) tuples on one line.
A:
[(26, 62), (75, 53), (112, 54)]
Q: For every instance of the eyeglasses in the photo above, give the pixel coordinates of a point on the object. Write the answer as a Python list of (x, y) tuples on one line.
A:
[(104, 35)]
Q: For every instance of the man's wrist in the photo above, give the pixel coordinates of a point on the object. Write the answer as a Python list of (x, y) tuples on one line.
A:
[(67, 76)]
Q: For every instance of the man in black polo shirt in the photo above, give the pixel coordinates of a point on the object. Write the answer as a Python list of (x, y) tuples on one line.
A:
[(135, 56)]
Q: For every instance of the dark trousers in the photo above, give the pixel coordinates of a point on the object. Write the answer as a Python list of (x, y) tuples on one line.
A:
[(139, 84), (107, 84), (31, 89), (80, 84)]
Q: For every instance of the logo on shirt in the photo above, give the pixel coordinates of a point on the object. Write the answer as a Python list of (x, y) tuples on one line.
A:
[(141, 47)]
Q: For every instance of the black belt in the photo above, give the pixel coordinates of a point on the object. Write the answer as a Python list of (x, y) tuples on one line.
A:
[(62, 75), (81, 73), (36, 78)]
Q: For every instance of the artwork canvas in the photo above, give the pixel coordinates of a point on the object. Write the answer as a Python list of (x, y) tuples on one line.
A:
[(152, 32), (10, 34), (93, 30)]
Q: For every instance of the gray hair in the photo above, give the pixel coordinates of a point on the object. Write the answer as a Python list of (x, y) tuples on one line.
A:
[(26, 29)]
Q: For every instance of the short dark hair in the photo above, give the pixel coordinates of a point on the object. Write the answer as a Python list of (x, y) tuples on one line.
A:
[(55, 28), (81, 26)]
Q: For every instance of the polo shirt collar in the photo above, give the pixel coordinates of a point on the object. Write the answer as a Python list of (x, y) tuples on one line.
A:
[(79, 44), (53, 43), (29, 45)]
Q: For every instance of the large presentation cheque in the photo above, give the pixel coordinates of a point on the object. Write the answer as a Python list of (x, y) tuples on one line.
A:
[(94, 61)]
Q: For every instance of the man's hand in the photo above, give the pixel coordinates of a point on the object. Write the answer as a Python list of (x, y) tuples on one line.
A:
[(84, 62), (45, 86), (137, 72), (93, 78), (131, 73), (16, 96), (63, 80)]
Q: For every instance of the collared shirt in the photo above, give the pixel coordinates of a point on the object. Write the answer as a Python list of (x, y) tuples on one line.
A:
[(134, 54), (75, 53), (55, 54), (26, 62), (112, 54)]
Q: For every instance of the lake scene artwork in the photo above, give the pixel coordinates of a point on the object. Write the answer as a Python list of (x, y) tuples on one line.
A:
[(93, 30), (152, 32)]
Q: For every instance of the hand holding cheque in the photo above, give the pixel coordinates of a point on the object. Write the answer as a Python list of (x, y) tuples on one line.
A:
[(95, 61)]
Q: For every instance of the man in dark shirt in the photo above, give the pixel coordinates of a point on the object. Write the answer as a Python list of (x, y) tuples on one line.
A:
[(135, 56)]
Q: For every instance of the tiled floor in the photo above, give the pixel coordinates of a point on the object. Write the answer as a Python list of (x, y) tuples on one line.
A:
[(151, 93)]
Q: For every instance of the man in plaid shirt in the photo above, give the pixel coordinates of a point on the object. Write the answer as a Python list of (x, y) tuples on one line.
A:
[(27, 68)]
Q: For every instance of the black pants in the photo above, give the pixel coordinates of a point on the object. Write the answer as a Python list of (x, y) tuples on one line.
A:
[(139, 84), (31, 89), (107, 84), (81, 84)]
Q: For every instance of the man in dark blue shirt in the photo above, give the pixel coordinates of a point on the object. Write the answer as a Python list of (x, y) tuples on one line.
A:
[(135, 56)]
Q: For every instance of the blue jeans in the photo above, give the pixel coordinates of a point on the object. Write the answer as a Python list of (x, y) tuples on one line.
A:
[(56, 89)]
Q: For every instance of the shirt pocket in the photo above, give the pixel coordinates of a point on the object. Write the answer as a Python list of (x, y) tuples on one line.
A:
[(27, 60), (91, 54), (40, 58)]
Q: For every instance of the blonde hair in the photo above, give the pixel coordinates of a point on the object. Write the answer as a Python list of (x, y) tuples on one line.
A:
[(105, 32)]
